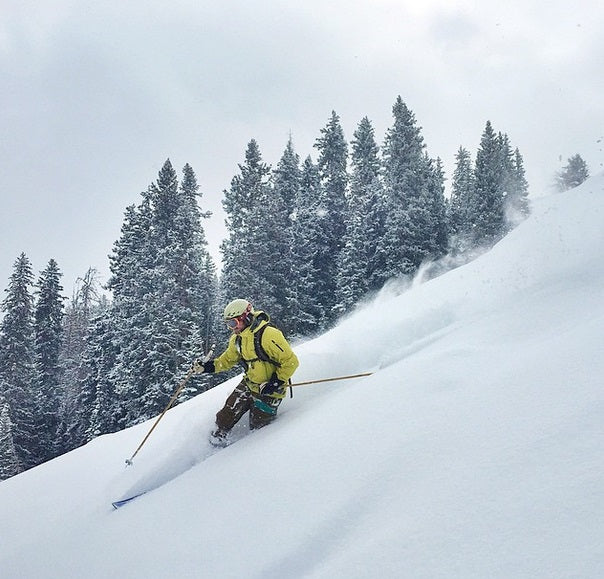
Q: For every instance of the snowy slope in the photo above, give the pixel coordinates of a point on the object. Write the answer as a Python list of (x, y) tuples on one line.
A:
[(475, 449)]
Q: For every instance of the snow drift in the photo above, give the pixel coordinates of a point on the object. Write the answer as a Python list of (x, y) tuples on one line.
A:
[(474, 450)]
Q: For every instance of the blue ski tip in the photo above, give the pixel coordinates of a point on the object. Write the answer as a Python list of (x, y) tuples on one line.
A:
[(121, 503)]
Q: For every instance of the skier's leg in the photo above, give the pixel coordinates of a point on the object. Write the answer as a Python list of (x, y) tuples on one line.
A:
[(263, 411), (236, 405)]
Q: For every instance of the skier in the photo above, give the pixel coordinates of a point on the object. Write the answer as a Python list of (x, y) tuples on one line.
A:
[(269, 364)]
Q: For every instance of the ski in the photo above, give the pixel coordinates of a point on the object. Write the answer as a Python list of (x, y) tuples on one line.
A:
[(217, 444), (122, 502)]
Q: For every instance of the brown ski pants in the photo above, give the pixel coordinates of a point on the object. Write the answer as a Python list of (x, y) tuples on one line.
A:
[(263, 409)]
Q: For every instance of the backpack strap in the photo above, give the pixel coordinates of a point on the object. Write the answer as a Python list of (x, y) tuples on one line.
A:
[(261, 353), (258, 349)]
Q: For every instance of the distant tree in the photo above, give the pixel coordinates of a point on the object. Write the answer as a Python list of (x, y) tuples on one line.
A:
[(333, 213), (164, 287), (410, 186), (9, 461), (244, 204), (161, 292), (355, 261), (462, 199), (573, 174), (439, 228), (17, 373), (48, 329), (279, 225), (186, 284), (378, 258), (117, 345), (516, 203), (106, 402), (307, 238), (487, 211)]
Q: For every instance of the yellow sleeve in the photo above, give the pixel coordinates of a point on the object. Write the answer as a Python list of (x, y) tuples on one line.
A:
[(279, 350), (228, 358)]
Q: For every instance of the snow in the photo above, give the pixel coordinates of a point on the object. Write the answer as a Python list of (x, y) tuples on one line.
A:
[(473, 451)]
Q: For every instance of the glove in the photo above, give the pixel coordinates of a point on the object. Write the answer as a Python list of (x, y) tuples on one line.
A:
[(270, 387), (200, 367)]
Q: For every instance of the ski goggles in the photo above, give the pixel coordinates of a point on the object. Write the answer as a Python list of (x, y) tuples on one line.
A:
[(234, 323)]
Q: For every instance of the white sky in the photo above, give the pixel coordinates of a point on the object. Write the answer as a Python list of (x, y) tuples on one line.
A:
[(95, 96)]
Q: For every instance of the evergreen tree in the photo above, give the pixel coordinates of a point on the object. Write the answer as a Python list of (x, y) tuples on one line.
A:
[(184, 285), (163, 285), (106, 402), (490, 177), (573, 174), (48, 329), (489, 199), (174, 307), (245, 206), (355, 258), (201, 275), (119, 341), (462, 200), (333, 214), (287, 176), (307, 237), (9, 462), (378, 207), (439, 228), (257, 254), (17, 372), (279, 224), (516, 201), (410, 187)]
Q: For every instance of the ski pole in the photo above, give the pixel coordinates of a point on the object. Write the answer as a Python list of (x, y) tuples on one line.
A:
[(332, 379), (174, 396)]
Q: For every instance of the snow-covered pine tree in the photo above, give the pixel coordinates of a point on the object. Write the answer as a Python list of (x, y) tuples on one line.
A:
[(332, 162), (48, 328), (375, 221), (171, 309), (516, 203), (17, 373), (409, 227), (119, 341), (490, 172), (355, 261), (245, 206), (9, 462), (286, 188), (573, 174), (190, 309), (163, 284), (439, 227), (307, 238), (461, 202), (105, 403)]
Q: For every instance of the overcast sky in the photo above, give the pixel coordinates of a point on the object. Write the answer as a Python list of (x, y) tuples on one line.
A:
[(96, 95)]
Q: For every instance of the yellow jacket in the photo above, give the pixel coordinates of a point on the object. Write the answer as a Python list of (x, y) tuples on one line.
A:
[(241, 349)]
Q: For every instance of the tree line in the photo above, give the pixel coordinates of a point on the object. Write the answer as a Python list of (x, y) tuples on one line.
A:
[(306, 240)]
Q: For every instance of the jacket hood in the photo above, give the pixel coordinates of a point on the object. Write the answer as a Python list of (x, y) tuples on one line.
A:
[(259, 318)]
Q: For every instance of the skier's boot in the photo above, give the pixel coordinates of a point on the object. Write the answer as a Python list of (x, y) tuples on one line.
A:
[(219, 438)]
